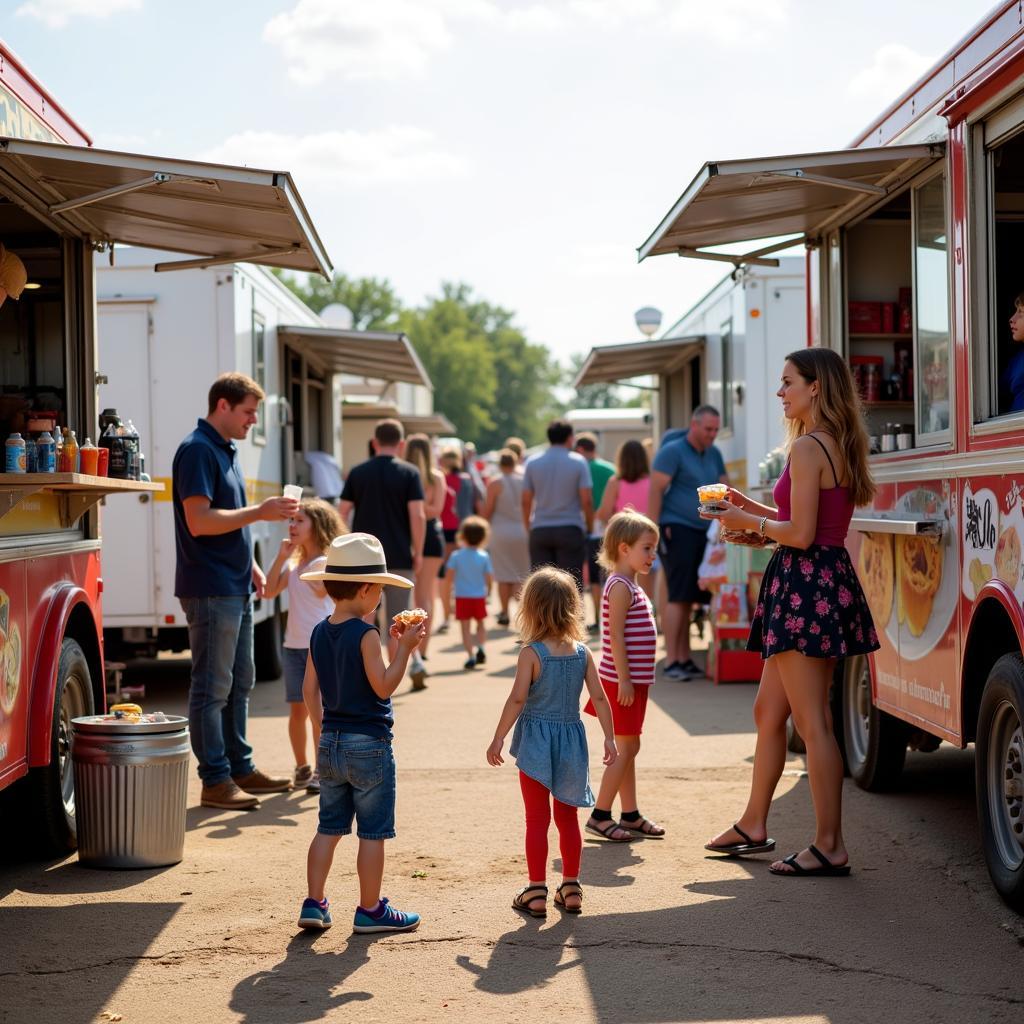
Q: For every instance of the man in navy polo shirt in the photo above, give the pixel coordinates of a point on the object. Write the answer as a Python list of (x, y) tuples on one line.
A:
[(680, 467), (214, 580)]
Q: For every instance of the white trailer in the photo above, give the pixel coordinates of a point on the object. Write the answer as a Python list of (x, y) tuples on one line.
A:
[(748, 323), (163, 338)]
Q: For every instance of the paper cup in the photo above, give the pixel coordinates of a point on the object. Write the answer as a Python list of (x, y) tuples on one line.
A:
[(293, 491)]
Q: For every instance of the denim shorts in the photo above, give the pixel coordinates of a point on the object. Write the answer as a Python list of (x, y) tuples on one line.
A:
[(294, 661), (357, 779)]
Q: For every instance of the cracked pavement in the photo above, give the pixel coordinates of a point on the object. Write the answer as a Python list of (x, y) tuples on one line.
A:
[(668, 933)]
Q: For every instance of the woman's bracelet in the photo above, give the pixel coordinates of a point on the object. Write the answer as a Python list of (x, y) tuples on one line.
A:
[(762, 524)]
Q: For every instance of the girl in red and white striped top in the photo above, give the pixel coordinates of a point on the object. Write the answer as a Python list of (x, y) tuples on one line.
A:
[(626, 668)]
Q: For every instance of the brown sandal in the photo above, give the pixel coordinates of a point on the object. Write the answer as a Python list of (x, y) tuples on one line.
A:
[(569, 889), (644, 827), (606, 833), (522, 900)]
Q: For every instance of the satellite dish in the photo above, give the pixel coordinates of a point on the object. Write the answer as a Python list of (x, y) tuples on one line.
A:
[(648, 320), (337, 315)]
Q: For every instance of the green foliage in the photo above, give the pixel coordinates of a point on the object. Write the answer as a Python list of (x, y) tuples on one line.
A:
[(374, 304), (598, 396)]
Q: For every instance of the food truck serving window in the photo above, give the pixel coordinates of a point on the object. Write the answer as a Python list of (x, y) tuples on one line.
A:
[(998, 245)]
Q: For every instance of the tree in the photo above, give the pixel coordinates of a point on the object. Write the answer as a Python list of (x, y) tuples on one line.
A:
[(594, 396), (372, 300)]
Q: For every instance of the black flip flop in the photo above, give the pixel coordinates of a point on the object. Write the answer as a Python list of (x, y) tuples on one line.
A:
[(748, 845), (827, 869)]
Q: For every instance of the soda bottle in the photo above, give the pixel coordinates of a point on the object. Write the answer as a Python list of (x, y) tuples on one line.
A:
[(111, 439), (134, 446)]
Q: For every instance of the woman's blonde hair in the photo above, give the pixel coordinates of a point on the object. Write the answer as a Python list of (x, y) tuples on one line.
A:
[(625, 527), (325, 522), (838, 412), (551, 608), (419, 452)]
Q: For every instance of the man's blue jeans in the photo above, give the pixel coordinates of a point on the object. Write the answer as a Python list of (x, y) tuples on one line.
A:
[(223, 674)]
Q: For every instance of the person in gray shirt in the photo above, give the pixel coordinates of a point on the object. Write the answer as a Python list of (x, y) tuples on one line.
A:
[(558, 508)]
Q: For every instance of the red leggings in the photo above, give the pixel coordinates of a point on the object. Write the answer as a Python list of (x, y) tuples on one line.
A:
[(538, 818)]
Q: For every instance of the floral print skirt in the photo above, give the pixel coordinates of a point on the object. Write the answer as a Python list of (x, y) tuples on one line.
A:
[(811, 601)]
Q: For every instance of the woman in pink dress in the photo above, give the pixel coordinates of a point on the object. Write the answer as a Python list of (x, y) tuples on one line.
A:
[(629, 488)]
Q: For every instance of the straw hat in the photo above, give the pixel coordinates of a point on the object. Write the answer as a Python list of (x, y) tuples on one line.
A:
[(13, 275), (357, 558)]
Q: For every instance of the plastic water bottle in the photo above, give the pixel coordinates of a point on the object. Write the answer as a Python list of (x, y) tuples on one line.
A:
[(15, 461), (46, 453)]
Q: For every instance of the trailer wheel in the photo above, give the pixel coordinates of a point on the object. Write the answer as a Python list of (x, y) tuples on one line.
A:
[(999, 777), (794, 741), (267, 638), (52, 786), (875, 743)]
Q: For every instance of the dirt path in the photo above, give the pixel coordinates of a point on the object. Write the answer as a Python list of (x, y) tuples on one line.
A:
[(668, 934)]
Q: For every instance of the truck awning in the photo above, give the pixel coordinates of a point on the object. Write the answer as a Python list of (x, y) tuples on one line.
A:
[(772, 197), (219, 213), (379, 355), (607, 364)]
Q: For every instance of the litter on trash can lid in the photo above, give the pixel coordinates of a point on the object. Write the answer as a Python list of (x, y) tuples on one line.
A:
[(148, 722)]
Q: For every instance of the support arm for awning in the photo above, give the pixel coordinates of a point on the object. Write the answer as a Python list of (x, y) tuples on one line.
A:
[(220, 261), (751, 259), (824, 179), (157, 178)]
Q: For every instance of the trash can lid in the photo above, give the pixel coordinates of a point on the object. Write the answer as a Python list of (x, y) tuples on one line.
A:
[(122, 726)]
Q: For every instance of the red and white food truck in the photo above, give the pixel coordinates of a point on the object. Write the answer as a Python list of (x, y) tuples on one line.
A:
[(915, 256), (61, 200)]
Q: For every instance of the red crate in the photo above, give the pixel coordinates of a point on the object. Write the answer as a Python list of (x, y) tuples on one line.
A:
[(732, 666)]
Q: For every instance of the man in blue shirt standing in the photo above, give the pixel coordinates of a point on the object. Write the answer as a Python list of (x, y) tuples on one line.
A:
[(680, 467), (215, 578), (558, 507)]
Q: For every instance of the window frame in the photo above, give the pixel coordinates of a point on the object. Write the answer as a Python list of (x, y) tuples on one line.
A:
[(929, 439), (259, 373), (727, 338)]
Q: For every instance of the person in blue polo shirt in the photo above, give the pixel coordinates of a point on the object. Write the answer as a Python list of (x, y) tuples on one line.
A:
[(680, 467), (215, 579)]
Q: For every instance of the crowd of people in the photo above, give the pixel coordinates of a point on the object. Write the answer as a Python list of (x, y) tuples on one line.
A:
[(406, 528)]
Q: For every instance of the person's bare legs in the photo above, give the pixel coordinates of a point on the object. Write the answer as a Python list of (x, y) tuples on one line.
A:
[(467, 635), (595, 596), (426, 594), (481, 632), (505, 594), (318, 863), (806, 682), (619, 779), (677, 632), (771, 710), (297, 718), (370, 868)]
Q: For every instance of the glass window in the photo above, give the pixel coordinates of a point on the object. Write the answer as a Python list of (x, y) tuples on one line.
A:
[(931, 307), (727, 417), (259, 372)]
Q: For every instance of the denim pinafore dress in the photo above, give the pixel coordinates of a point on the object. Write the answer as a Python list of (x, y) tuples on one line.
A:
[(549, 742)]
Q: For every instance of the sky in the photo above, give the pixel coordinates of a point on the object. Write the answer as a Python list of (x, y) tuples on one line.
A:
[(525, 148)]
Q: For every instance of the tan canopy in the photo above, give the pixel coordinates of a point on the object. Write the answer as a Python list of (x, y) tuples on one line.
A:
[(607, 364)]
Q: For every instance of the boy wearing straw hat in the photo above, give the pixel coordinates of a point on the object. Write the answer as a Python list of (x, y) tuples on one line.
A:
[(348, 688)]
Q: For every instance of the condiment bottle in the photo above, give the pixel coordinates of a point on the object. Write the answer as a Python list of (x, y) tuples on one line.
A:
[(88, 456), (69, 452)]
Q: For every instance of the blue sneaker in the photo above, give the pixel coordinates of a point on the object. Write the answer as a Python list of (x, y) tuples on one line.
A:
[(315, 914), (386, 919)]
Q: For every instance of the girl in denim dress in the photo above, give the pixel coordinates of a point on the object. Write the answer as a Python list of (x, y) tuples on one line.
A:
[(549, 742)]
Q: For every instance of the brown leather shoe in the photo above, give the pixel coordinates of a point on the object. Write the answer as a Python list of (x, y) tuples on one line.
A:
[(227, 796), (257, 782)]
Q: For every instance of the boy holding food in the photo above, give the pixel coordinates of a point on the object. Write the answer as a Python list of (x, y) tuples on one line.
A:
[(348, 688)]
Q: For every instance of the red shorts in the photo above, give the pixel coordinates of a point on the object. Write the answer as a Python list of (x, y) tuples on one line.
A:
[(626, 721), (467, 608)]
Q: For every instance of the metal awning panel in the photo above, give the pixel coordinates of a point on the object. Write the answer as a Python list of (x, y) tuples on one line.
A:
[(769, 197), (378, 355), (607, 364), (216, 211), (435, 424)]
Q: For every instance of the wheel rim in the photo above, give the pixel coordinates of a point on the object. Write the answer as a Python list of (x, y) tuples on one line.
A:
[(857, 710), (72, 705), (1006, 784)]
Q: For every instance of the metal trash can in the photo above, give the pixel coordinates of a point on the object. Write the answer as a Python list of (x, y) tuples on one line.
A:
[(131, 784)]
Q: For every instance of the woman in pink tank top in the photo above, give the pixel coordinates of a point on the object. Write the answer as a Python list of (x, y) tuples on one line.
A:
[(811, 610), (630, 489)]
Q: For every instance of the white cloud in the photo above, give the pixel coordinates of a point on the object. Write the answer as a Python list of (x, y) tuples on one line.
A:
[(894, 68), (398, 153), (731, 22), (57, 13), (388, 38)]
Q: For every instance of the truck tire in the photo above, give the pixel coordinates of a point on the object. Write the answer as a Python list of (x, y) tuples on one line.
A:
[(999, 777), (267, 638), (51, 787), (874, 743), (794, 741)]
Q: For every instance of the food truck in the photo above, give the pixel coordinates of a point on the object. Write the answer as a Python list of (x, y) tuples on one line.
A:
[(913, 237), (60, 202)]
